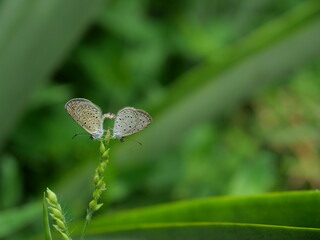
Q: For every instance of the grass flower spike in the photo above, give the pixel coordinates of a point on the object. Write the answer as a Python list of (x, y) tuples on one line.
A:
[(98, 180), (57, 214)]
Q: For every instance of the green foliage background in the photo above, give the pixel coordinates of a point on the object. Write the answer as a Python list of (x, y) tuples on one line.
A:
[(233, 88)]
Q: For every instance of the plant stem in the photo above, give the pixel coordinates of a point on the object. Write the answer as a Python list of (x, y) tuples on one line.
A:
[(88, 219), (99, 184)]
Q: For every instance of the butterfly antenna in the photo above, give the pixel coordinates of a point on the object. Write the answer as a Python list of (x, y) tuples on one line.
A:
[(122, 140), (80, 134)]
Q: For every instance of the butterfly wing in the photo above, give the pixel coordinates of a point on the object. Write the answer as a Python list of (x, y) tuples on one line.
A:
[(87, 115), (130, 121), (144, 120), (125, 122)]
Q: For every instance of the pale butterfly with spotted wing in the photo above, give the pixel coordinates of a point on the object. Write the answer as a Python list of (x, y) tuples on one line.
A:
[(88, 116), (128, 120)]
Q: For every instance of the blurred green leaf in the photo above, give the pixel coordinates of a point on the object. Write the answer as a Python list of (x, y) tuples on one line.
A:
[(10, 182), (35, 37), (11, 221), (226, 86), (50, 95), (267, 36), (254, 176)]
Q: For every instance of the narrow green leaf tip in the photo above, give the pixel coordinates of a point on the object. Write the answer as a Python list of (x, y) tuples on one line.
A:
[(47, 231)]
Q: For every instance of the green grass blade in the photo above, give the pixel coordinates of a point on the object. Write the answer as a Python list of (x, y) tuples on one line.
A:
[(221, 231), (286, 209), (291, 215), (47, 230)]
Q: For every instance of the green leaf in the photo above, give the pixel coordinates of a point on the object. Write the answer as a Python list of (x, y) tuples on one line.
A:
[(35, 37), (287, 209), (221, 231), (252, 217), (47, 230)]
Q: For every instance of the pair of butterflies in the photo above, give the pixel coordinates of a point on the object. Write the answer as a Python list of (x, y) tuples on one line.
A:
[(128, 120)]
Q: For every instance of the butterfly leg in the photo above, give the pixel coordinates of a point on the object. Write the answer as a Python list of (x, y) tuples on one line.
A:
[(81, 134), (109, 129)]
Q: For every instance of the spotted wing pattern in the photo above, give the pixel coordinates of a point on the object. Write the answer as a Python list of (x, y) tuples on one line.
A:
[(87, 115), (125, 122), (130, 121), (144, 120)]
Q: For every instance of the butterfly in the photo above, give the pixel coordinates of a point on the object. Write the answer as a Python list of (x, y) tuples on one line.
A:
[(129, 121), (87, 115)]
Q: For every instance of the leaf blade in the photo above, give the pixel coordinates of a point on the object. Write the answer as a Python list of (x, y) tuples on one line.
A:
[(222, 231), (47, 230), (286, 209)]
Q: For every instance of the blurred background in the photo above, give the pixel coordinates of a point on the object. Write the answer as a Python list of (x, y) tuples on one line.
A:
[(232, 86)]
